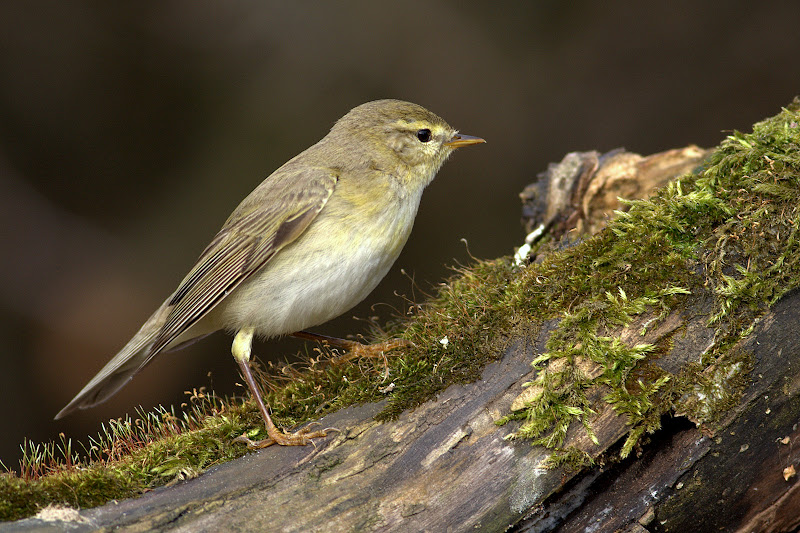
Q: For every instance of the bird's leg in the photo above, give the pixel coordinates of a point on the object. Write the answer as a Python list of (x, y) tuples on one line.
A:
[(354, 349), (242, 344)]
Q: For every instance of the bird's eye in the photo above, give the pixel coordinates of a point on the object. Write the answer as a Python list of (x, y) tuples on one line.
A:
[(424, 135)]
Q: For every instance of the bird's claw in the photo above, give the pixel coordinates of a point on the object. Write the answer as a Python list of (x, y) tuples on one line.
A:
[(301, 437)]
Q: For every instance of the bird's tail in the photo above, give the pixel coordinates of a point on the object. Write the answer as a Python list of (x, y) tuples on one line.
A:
[(119, 371)]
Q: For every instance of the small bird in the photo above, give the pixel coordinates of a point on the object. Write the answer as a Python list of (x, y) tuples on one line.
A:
[(309, 243)]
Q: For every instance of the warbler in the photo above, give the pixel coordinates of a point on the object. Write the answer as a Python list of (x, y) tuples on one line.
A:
[(309, 243)]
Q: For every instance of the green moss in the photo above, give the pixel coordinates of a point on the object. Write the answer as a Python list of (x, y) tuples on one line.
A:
[(454, 335), (128, 457), (727, 234), (570, 460), (709, 395)]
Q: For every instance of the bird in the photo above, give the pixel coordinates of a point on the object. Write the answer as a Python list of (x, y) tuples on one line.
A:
[(306, 245)]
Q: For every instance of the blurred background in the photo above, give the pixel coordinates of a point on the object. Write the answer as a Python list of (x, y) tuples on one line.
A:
[(130, 130)]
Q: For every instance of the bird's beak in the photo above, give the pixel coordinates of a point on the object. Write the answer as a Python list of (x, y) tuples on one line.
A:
[(460, 140)]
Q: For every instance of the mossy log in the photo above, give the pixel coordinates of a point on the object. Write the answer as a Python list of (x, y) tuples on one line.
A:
[(682, 441), (446, 467)]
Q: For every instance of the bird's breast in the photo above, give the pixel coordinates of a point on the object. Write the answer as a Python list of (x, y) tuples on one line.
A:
[(340, 258)]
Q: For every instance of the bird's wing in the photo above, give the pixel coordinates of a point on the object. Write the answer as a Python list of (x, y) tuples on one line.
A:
[(253, 234)]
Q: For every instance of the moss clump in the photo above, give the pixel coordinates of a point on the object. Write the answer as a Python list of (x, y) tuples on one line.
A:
[(455, 334), (128, 457), (727, 232), (452, 337)]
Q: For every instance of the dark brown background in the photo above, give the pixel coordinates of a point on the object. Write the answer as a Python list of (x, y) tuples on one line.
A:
[(128, 132)]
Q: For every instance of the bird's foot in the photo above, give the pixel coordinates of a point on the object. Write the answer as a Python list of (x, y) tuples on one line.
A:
[(299, 438), (356, 350)]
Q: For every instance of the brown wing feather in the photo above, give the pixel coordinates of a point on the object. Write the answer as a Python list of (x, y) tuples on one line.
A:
[(251, 236)]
